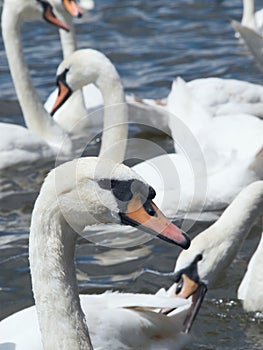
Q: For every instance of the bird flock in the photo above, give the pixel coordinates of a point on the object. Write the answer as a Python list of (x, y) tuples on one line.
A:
[(216, 167)]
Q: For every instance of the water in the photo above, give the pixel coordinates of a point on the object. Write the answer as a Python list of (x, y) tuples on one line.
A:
[(150, 43)]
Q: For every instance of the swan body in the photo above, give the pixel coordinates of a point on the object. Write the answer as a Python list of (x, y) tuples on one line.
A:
[(212, 165), (220, 243), (225, 96), (36, 118), (111, 324), (94, 190)]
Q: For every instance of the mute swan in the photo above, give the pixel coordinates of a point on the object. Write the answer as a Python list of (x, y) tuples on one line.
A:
[(93, 191), (220, 243), (228, 163), (190, 179), (43, 138), (76, 114)]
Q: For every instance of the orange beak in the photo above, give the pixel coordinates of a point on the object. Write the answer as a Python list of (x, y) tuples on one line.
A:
[(50, 17), (72, 8), (155, 223), (64, 93)]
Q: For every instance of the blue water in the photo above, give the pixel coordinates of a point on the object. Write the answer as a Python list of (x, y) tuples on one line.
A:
[(150, 43)]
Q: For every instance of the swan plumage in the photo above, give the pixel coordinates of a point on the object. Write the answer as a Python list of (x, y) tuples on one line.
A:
[(250, 18), (212, 163), (94, 190)]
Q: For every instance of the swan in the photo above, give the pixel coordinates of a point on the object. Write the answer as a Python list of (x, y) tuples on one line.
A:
[(94, 190), (212, 164), (219, 244), (223, 96), (75, 115), (44, 138)]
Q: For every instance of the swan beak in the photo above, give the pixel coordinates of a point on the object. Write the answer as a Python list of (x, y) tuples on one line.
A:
[(50, 17), (64, 93), (72, 8), (154, 223), (197, 291)]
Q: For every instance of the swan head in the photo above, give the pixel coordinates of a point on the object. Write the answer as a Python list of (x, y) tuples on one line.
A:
[(36, 10), (81, 68), (188, 284), (70, 6), (92, 191)]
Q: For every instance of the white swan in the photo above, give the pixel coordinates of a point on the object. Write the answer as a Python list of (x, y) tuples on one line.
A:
[(213, 174), (76, 114), (76, 194), (220, 243), (43, 138), (207, 159), (224, 96)]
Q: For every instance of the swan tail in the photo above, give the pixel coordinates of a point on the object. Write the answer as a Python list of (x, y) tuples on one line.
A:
[(184, 105)]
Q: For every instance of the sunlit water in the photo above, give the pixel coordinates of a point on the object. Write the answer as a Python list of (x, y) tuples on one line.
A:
[(150, 43)]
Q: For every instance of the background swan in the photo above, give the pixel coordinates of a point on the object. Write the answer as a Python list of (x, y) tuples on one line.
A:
[(76, 114), (94, 190), (212, 163), (43, 138), (220, 243)]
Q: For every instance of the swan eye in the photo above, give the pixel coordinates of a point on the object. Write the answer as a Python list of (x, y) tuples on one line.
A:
[(152, 193), (179, 286), (149, 208)]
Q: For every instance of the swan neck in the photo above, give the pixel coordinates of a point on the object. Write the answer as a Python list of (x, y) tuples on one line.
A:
[(248, 18), (27, 95), (51, 255), (68, 39), (239, 217), (115, 123), (36, 117)]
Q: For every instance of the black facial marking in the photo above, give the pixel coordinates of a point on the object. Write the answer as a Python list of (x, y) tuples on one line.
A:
[(191, 271), (149, 208), (124, 190), (62, 78)]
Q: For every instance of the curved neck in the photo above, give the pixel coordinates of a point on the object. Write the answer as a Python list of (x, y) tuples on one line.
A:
[(68, 39), (36, 117), (51, 255), (239, 217), (115, 123), (248, 18)]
